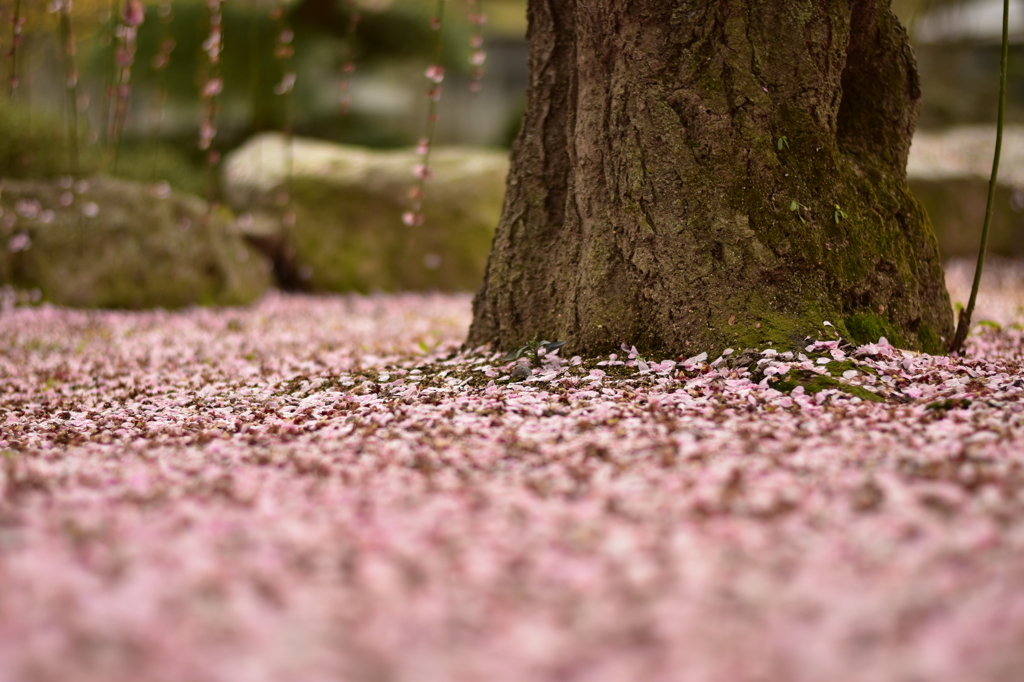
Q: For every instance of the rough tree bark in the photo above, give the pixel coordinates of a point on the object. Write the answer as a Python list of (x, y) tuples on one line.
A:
[(696, 174)]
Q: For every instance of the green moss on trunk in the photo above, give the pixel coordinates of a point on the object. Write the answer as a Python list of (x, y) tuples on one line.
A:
[(699, 175), (815, 383)]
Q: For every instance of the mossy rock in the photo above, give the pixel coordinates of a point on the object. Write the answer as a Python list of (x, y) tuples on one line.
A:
[(348, 233), (108, 243)]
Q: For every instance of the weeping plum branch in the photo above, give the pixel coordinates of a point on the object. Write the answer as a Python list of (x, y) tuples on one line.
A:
[(133, 14), (422, 171), (213, 85), (63, 10), (478, 56), (348, 64), (17, 26), (162, 60), (284, 51)]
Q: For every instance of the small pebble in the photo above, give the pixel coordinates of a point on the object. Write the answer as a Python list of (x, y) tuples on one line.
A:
[(520, 372)]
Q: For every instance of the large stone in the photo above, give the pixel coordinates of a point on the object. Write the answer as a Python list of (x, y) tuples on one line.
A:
[(111, 243), (949, 173), (348, 233)]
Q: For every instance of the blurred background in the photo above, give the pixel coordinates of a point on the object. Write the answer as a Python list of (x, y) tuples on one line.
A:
[(127, 89), (390, 47)]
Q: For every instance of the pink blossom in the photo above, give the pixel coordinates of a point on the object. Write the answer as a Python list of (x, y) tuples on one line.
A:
[(435, 73), (133, 13), (213, 87), (123, 57), (287, 84), (18, 242)]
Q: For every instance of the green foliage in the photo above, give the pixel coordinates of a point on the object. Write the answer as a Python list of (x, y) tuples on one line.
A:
[(153, 161), (34, 145), (250, 71), (800, 210), (403, 31), (532, 349), (400, 30), (247, 62)]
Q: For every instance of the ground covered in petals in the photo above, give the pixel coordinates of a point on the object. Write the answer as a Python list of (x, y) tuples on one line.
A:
[(328, 488)]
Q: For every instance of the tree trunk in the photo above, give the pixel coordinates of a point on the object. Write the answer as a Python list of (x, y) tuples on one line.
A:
[(696, 174)]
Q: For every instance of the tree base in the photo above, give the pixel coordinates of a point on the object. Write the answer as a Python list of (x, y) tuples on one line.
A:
[(698, 175)]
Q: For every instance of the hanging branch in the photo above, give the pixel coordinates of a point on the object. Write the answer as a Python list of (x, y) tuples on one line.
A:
[(964, 322), (422, 171), (212, 86), (71, 77), (132, 16), (5, 52), (284, 51), (478, 56), (255, 47), (348, 65), (17, 25), (107, 41), (162, 60)]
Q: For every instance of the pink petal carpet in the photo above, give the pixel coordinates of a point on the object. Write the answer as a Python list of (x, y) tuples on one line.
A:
[(327, 488)]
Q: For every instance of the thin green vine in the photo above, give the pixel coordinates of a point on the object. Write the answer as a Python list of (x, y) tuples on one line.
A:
[(964, 323)]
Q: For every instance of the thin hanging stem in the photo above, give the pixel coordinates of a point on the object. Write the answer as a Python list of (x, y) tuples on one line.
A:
[(108, 99), (435, 74), (284, 51), (478, 56), (160, 63), (17, 24), (255, 73), (71, 83), (133, 13), (348, 66), (964, 323), (212, 46)]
